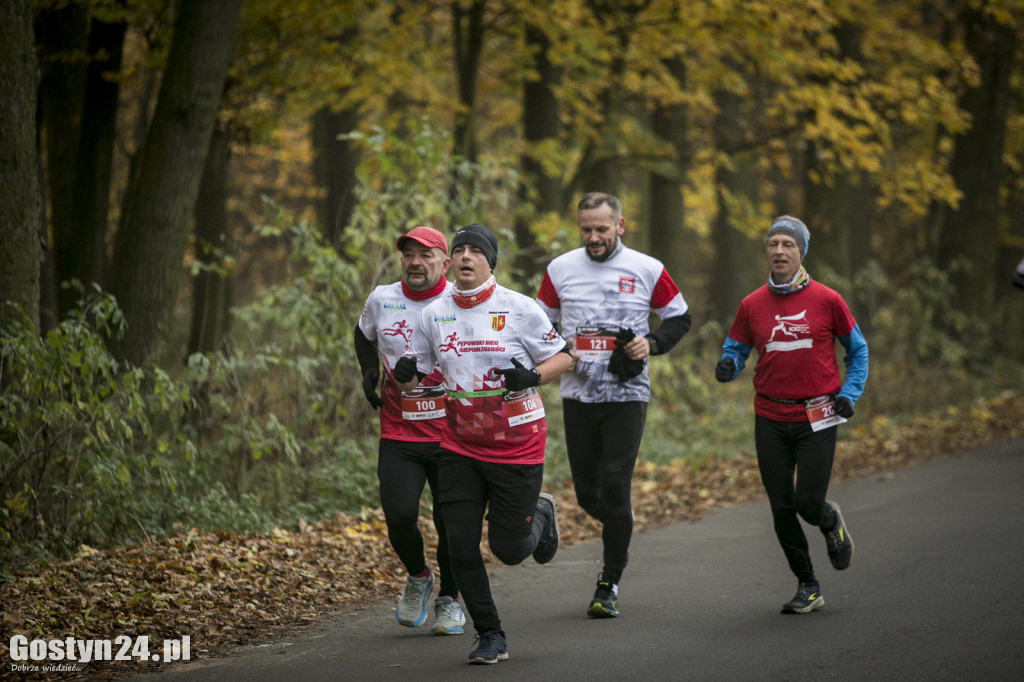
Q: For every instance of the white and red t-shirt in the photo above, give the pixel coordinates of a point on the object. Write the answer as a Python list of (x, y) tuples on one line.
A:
[(590, 298), (389, 317), (468, 345), (794, 336)]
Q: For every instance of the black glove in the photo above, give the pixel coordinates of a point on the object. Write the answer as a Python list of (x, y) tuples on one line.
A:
[(619, 363), (371, 378), (405, 370), (518, 378), (724, 370), (844, 408)]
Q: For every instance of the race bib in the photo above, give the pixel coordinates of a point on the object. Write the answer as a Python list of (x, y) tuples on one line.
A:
[(423, 402), (523, 407), (595, 343), (821, 413)]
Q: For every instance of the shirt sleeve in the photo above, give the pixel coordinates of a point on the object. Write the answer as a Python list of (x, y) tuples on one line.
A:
[(368, 318), (539, 337), (547, 299), (856, 361), (739, 352), (666, 299)]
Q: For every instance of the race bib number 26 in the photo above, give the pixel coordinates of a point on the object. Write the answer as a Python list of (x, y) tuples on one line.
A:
[(821, 413)]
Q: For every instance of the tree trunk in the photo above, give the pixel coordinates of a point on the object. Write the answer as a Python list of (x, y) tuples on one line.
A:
[(971, 231), (160, 202), (19, 215), (666, 214), (334, 169), (85, 246), (736, 269), (468, 32), (838, 213), (539, 193), (211, 293), (599, 169), (62, 35)]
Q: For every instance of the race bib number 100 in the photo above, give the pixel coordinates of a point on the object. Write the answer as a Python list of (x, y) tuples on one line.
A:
[(424, 402)]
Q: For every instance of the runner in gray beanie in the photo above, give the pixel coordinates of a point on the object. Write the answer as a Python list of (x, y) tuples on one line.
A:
[(793, 227)]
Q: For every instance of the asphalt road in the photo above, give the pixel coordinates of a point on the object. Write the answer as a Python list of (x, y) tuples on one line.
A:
[(935, 592)]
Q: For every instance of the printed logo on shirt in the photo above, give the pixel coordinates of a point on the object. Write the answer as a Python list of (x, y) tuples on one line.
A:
[(444, 319), (550, 336), (497, 322), (450, 343), (400, 328), (394, 307), (793, 326), (627, 284)]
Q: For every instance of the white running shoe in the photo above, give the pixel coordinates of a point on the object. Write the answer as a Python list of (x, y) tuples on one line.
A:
[(448, 617), (412, 607)]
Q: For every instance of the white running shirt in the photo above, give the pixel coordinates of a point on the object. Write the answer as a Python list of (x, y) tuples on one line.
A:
[(484, 421), (591, 297), (389, 318)]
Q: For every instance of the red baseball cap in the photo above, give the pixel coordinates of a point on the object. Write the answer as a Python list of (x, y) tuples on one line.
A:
[(427, 236)]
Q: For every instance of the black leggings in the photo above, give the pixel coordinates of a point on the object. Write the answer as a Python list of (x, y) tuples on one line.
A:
[(602, 441), (402, 469), (785, 448), (508, 493)]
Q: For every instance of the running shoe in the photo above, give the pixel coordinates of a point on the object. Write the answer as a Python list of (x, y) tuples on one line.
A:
[(412, 607), (448, 617), (491, 647), (807, 598), (548, 545), (605, 603), (839, 542)]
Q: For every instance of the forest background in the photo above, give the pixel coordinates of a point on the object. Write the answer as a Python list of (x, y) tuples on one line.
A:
[(200, 195)]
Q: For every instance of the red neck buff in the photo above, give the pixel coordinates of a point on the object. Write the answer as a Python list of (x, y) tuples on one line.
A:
[(468, 299), (424, 295)]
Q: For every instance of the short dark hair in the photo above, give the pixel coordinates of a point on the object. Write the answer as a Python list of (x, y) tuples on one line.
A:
[(595, 199)]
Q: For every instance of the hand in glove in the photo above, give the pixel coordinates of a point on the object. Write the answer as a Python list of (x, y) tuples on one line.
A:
[(724, 370), (619, 363), (844, 408), (518, 378), (405, 370), (371, 378)]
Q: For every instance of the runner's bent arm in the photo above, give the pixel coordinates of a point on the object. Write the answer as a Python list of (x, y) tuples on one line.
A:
[(672, 330), (555, 365), (856, 362)]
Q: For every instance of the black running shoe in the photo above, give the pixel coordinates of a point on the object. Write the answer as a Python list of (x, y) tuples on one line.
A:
[(839, 542), (807, 598), (548, 545), (605, 603), (491, 647)]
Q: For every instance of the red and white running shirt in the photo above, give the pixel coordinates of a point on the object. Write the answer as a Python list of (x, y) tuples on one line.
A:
[(468, 345), (586, 295), (389, 317)]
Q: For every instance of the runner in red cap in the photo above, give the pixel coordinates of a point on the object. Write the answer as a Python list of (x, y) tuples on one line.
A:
[(410, 425)]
